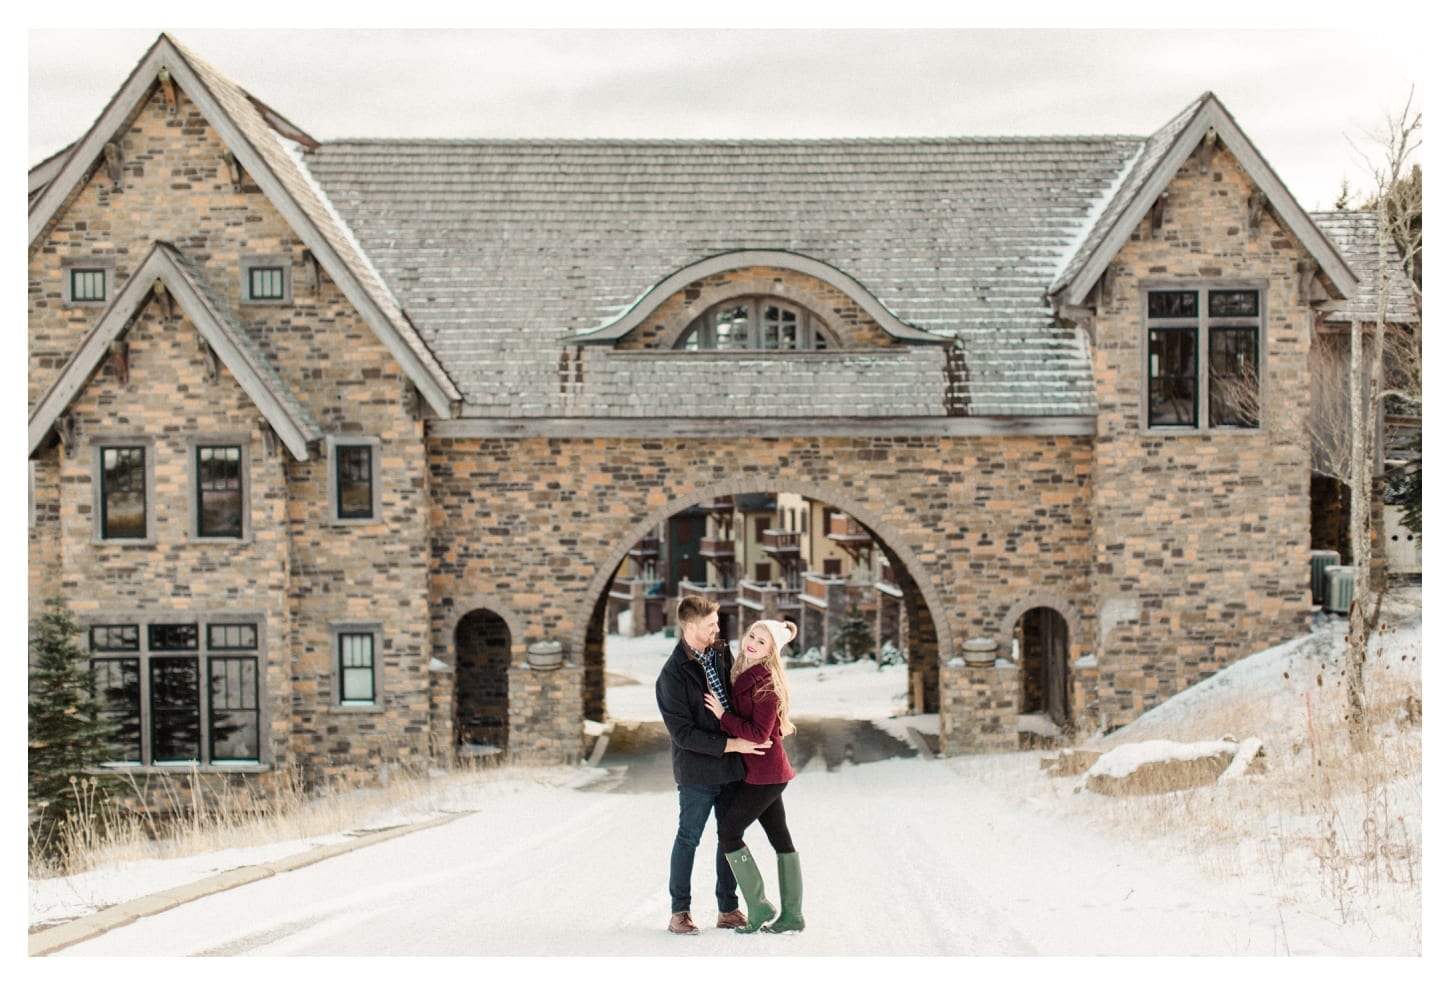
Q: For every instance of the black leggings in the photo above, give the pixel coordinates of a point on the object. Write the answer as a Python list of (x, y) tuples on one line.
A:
[(756, 802)]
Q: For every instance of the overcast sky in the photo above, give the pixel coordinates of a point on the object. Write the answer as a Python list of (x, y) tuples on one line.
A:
[(1306, 99)]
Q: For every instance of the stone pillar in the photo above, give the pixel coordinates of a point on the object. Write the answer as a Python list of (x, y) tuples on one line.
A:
[(979, 699), (546, 711)]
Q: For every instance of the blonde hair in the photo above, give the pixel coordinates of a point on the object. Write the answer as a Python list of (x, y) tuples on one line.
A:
[(776, 685)]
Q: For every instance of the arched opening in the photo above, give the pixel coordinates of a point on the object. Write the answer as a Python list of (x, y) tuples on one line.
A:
[(869, 640), (1041, 639), (482, 642)]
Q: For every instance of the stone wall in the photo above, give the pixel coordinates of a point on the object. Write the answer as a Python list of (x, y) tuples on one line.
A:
[(546, 714), (979, 707), (1201, 536), (301, 572), (972, 525)]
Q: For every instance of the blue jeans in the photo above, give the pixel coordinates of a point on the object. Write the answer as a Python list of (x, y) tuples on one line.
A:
[(695, 806)]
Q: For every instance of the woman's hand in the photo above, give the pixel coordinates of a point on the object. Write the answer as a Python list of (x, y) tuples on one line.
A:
[(713, 705)]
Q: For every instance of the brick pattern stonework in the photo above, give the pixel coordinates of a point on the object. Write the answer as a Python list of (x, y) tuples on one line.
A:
[(976, 524), (1209, 559), (301, 572), (1167, 554)]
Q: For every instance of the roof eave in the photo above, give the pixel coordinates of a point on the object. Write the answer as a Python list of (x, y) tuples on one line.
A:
[(159, 265), (1210, 114), (737, 259), (436, 388)]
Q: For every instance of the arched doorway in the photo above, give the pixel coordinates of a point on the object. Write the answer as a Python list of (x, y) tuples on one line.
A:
[(482, 643), (1041, 637), (910, 614)]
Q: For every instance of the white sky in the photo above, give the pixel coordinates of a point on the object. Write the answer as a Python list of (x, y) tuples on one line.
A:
[(1307, 99)]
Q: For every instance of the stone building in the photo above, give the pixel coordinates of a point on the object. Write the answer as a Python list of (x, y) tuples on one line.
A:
[(327, 438)]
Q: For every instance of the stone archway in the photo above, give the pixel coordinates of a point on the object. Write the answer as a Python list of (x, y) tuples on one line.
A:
[(923, 613), (1044, 629), (483, 649)]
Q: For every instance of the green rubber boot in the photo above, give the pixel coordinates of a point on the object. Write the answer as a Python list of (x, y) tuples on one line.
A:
[(789, 867), (758, 909)]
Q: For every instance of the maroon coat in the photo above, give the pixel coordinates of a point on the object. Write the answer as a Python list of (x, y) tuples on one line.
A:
[(756, 717)]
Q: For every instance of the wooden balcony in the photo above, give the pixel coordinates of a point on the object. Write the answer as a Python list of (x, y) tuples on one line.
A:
[(781, 544), (717, 548), (648, 547)]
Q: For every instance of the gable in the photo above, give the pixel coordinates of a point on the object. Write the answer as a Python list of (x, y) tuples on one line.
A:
[(1195, 131), (166, 278), (260, 144)]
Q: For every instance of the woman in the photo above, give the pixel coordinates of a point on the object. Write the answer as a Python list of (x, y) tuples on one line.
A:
[(760, 710)]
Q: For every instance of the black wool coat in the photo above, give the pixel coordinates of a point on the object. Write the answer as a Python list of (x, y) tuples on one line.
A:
[(697, 745)]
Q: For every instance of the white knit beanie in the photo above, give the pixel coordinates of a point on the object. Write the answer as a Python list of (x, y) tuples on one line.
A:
[(781, 632)]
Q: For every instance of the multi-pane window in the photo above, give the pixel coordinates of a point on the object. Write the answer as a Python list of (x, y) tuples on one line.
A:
[(354, 478), (220, 492), (753, 323), (87, 283), (266, 279), (182, 692), (123, 493), (357, 682), (266, 284), (1203, 357)]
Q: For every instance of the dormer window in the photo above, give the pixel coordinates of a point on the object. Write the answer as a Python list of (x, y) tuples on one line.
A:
[(754, 323)]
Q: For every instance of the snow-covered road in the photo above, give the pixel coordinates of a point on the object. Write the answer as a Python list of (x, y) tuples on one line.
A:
[(903, 857)]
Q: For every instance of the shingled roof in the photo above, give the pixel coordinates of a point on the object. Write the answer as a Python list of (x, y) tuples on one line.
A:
[(1354, 233), (497, 249)]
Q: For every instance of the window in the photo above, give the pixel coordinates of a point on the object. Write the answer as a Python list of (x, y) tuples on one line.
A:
[(753, 323), (179, 692), (87, 284), (220, 472), (354, 480), (265, 284), (124, 513), (267, 279), (1203, 357), (87, 281), (357, 682)]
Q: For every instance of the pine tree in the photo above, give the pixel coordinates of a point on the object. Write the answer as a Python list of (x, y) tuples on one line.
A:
[(68, 733), (854, 637)]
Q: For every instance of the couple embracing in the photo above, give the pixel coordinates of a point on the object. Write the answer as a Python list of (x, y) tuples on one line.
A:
[(726, 720)]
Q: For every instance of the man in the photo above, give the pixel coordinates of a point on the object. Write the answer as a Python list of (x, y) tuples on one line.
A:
[(706, 762)]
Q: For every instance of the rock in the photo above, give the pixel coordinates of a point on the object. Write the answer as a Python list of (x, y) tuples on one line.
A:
[(1159, 766)]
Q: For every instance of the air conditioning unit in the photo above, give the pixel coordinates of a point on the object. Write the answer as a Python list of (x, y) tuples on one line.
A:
[(1338, 589), (1318, 561)]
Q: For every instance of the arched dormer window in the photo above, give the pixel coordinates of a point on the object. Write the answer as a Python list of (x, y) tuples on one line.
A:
[(754, 323)]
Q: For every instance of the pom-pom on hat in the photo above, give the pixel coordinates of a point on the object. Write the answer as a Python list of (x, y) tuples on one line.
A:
[(781, 632)]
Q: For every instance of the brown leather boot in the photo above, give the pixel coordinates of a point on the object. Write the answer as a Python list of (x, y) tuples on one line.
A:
[(680, 923), (731, 920)]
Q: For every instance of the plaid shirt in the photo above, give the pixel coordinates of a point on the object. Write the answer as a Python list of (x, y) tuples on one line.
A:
[(712, 676)]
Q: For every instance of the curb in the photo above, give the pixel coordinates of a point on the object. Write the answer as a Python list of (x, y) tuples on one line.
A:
[(53, 939)]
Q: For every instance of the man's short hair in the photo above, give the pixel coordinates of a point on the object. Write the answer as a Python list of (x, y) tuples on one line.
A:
[(693, 608)]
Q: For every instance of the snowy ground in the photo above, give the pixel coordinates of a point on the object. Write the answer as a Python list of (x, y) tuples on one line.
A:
[(982, 855)]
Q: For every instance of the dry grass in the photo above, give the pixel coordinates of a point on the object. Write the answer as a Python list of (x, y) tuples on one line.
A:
[(1334, 818), (103, 832)]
